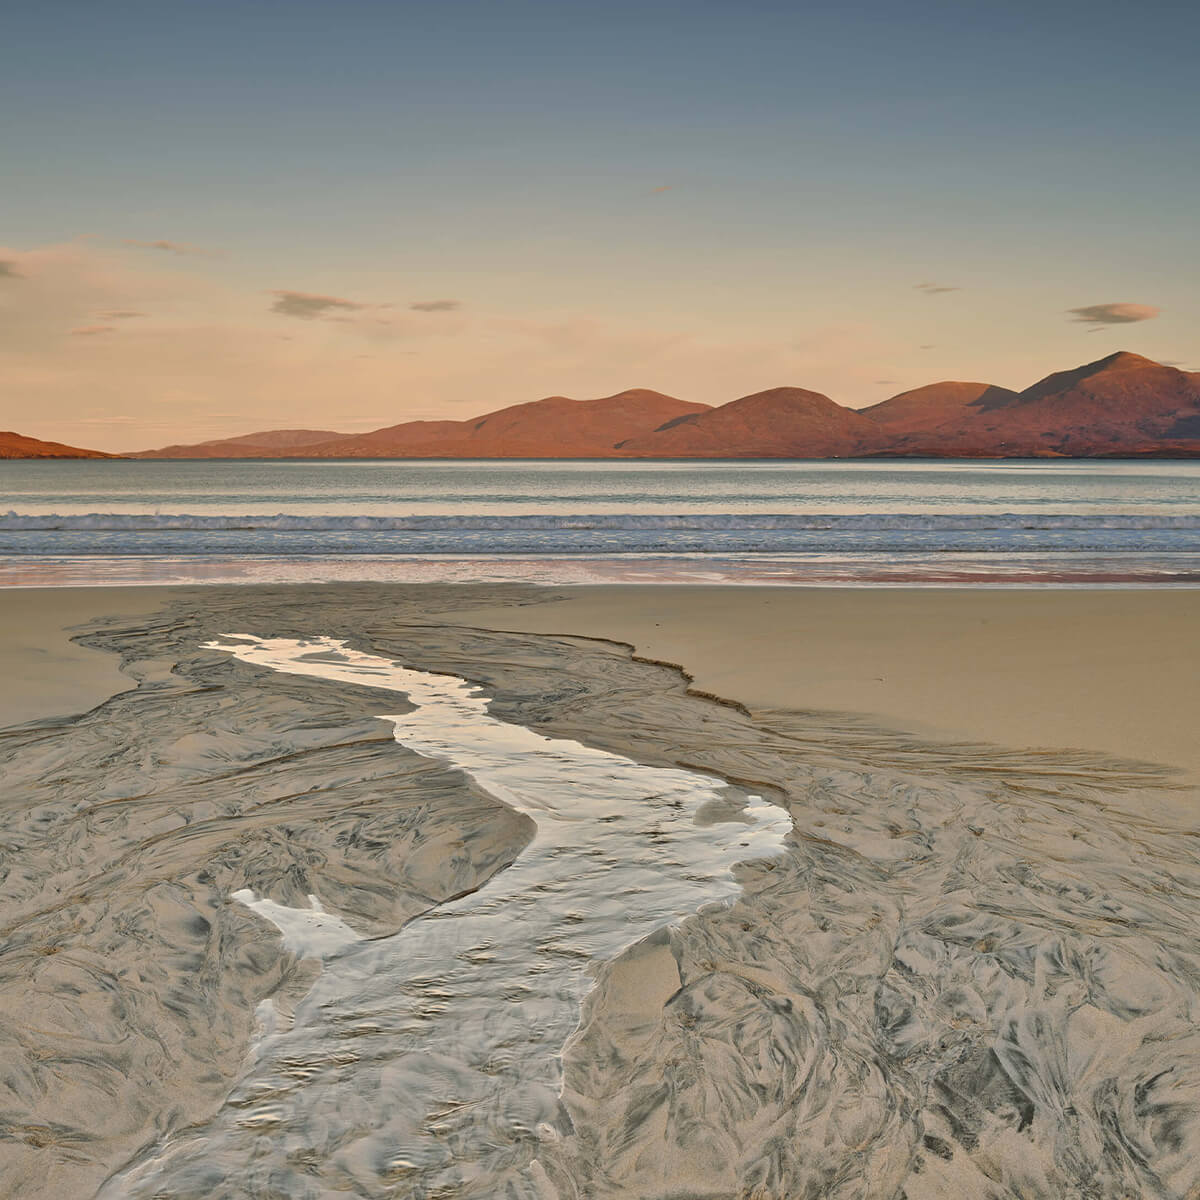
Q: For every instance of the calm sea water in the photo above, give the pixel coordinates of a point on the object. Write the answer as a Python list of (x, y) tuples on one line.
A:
[(567, 522)]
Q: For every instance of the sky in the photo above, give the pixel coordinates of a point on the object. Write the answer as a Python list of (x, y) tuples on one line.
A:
[(232, 216)]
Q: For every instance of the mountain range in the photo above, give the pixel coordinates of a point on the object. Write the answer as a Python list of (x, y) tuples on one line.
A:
[(1119, 406)]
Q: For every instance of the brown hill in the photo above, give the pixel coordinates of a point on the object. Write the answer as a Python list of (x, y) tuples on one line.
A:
[(251, 445), (555, 427), (1121, 404), (784, 422), (15, 445), (935, 405)]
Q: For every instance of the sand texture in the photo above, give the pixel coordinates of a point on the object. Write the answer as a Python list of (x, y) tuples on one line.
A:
[(1107, 670), (943, 970), (46, 674)]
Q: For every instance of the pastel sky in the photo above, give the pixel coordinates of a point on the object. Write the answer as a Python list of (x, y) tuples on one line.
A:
[(249, 214)]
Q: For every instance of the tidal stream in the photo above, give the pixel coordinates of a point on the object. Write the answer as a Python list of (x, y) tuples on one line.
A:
[(428, 1062)]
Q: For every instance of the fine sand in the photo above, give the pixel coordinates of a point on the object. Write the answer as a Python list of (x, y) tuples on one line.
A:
[(45, 673), (1114, 671), (291, 909)]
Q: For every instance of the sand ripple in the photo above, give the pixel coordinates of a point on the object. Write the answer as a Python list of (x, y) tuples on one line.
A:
[(432, 1057), (967, 972)]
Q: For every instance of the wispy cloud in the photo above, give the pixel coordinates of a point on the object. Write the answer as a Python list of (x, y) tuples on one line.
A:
[(8, 269), (434, 306), (658, 191), (935, 289), (1113, 314), (92, 330), (120, 314), (169, 247), (308, 305)]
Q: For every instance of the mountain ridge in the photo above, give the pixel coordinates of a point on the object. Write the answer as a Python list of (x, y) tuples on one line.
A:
[(554, 426), (784, 422), (1117, 406), (1122, 403)]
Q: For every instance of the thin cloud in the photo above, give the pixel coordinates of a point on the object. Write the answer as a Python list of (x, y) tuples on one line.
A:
[(308, 305), (1114, 314), (658, 191), (120, 314), (929, 346), (934, 289), (169, 247), (886, 382), (92, 330), (8, 269), (434, 306)]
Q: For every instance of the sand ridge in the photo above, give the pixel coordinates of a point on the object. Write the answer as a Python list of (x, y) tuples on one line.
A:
[(971, 971)]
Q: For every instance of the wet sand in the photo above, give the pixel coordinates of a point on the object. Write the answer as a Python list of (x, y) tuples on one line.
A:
[(45, 672), (970, 969), (1115, 671)]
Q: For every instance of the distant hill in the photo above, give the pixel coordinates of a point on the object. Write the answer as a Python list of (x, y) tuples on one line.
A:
[(556, 427), (935, 405), (15, 445), (250, 445), (1121, 405), (783, 422)]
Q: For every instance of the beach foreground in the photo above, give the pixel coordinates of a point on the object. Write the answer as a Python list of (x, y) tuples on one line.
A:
[(1114, 671), (969, 969), (1117, 671)]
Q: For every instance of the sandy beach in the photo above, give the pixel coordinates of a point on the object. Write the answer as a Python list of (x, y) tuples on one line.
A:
[(48, 674), (599, 602), (286, 915), (1107, 670), (1113, 671)]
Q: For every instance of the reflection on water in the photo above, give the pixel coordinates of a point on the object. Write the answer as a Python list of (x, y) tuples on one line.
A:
[(431, 1059)]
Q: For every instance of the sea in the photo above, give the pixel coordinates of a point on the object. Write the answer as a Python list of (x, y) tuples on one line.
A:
[(1064, 523)]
